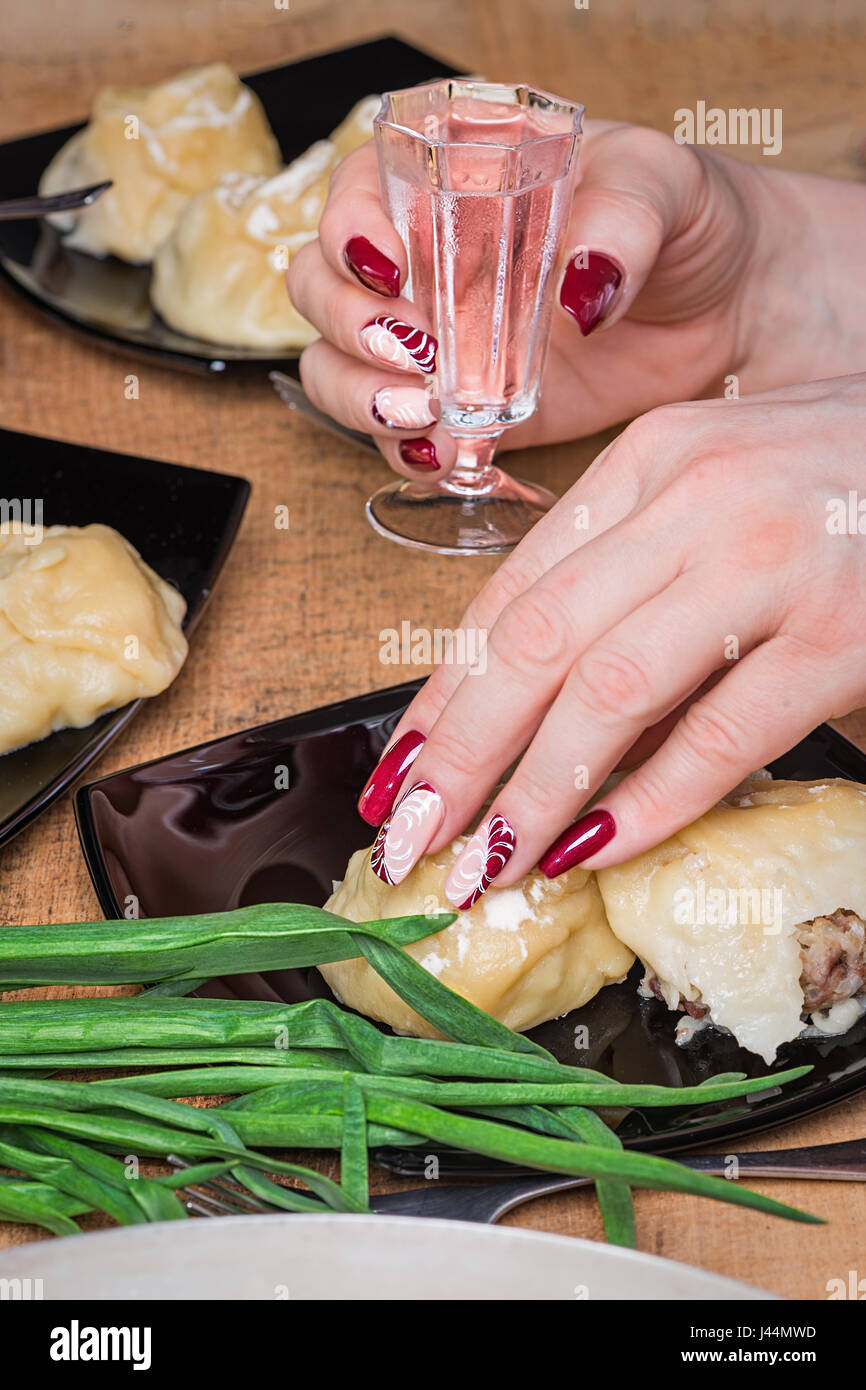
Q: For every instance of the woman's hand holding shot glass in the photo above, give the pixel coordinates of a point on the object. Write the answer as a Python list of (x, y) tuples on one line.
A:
[(688, 610)]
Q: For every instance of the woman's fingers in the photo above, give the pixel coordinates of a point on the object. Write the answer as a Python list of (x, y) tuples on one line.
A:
[(638, 192), (605, 494), (634, 188), (627, 680), (395, 410), (358, 241), (496, 709), (745, 721), (621, 644), (357, 321), (652, 738), (404, 746), (362, 396)]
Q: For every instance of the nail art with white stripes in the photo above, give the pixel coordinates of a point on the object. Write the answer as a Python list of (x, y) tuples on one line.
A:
[(399, 344), (406, 833), (488, 851), (402, 408)]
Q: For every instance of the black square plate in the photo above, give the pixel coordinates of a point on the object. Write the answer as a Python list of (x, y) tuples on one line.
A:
[(108, 299), (206, 829), (181, 520)]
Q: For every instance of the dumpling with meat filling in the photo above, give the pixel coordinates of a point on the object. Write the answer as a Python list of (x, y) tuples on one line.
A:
[(160, 145), (524, 954), (220, 276), (754, 917), (85, 627)]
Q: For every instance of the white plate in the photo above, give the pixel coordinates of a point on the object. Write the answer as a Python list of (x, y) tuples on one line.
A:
[(351, 1257)]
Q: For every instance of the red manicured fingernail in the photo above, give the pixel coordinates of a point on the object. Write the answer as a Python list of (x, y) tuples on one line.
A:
[(421, 453), (377, 798), (399, 344), (406, 833), (372, 268), (588, 290), (588, 835), (482, 858)]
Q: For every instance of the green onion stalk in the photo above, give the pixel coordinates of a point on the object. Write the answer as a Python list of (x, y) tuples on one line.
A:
[(309, 1075)]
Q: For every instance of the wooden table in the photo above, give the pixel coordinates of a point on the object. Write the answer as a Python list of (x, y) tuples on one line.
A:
[(295, 620)]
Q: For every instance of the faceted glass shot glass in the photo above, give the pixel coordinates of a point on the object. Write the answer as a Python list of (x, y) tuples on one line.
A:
[(478, 179)]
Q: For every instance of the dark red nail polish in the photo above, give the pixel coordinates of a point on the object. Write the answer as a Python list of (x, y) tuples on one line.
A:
[(421, 453), (588, 290), (406, 833), (377, 798), (372, 268), (399, 344), (587, 836)]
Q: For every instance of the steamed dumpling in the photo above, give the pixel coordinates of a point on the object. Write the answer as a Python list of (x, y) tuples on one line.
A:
[(160, 145), (524, 954), (85, 626), (754, 915), (220, 276)]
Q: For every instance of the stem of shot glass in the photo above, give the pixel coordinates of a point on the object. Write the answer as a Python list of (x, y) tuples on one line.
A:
[(473, 475)]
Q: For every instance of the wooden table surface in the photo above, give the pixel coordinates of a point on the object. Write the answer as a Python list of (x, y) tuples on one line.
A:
[(296, 616)]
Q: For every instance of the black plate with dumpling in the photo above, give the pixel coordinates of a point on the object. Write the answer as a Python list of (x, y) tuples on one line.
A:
[(223, 837), (280, 115), (124, 516)]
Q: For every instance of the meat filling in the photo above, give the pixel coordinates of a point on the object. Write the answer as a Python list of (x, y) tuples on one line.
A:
[(693, 1007), (833, 954)]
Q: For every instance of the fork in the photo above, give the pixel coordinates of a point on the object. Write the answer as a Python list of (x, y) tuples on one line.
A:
[(40, 205), (844, 1161)]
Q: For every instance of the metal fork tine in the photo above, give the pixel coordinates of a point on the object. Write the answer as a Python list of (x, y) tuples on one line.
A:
[(213, 1192), (221, 1208), (200, 1209), (221, 1190)]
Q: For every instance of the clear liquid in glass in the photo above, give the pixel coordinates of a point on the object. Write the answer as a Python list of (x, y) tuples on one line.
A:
[(478, 180), (482, 248)]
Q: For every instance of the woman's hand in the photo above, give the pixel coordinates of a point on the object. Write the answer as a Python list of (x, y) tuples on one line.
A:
[(685, 268), (652, 222), (699, 601)]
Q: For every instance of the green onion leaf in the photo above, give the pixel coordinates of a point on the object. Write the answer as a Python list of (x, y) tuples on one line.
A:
[(354, 1174)]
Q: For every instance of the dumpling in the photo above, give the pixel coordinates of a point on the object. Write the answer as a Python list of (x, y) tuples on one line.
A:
[(160, 145), (754, 916), (524, 954), (220, 276), (85, 627)]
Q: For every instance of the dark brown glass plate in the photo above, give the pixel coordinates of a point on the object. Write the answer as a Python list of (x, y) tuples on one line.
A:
[(207, 829), (108, 299), (181, 520)]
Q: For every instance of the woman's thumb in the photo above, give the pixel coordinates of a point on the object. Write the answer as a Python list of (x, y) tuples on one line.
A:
[(635, 190)]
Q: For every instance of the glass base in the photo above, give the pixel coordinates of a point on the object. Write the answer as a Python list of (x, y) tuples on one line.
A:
[(452, 521)]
